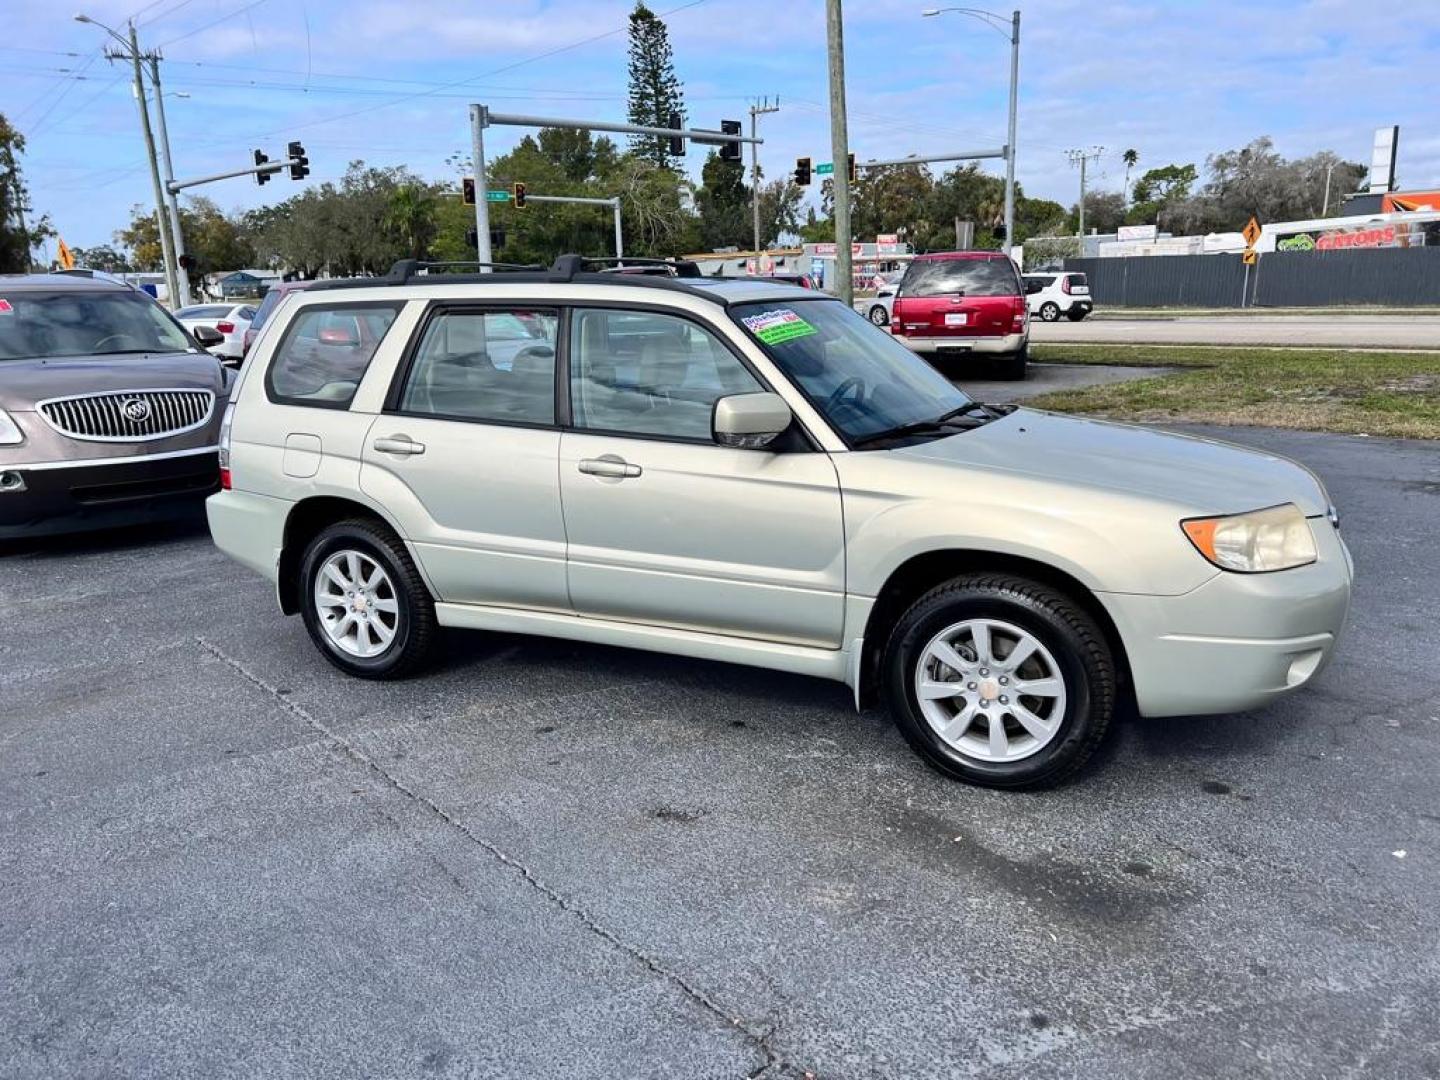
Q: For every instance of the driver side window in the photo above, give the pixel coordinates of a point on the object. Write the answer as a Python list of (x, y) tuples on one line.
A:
[(649, 374)]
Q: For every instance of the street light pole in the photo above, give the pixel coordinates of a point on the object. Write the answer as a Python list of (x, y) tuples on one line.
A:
[(998, 23), (756, 111), (182, 276), (839, 151)]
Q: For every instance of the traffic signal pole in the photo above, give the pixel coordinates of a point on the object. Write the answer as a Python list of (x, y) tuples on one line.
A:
[(757, 111), (481, 117), (182, 276), (614, 205)]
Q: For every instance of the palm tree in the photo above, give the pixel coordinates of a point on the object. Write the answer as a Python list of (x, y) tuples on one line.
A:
[(411, 217), (1130, 157)]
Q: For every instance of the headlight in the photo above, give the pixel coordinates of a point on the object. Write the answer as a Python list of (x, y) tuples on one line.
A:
[(10, 433), (1278, 538)]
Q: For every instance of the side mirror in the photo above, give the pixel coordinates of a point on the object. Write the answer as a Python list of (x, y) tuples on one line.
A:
[(207, 336), (750, 421)]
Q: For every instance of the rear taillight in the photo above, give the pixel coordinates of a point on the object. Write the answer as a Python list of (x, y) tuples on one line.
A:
[(1021, 311), (226, 422), (1065, 285), (229, 327)]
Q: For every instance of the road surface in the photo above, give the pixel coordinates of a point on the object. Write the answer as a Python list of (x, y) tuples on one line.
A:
[(1312, 331)]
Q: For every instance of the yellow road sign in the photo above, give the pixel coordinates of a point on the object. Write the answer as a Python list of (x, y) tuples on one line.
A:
[(1248, 256), (1251, 232)]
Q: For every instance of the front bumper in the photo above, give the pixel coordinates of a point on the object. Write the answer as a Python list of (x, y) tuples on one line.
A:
[(948, 346), (75, 496), (1238, 641)]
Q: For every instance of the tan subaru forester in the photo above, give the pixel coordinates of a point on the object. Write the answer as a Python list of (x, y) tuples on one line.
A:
[(749, 472)]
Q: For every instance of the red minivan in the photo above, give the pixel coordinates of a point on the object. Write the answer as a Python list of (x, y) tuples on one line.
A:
[(953, 304)]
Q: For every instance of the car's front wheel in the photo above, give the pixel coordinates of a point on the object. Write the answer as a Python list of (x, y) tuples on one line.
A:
[(364, 602), (879, 316), (1000, 681), (1050, 311)]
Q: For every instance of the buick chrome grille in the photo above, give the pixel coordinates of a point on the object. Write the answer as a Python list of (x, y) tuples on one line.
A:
[(129, 415)]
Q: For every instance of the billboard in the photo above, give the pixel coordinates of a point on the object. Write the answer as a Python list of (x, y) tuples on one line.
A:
[(1382, 159), (1373, 235)]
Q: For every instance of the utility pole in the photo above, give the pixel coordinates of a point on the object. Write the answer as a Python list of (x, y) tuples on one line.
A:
[(757, 111), (1082, 158), (1010, 144), (839, 151), (182, 276), (1325, 210)]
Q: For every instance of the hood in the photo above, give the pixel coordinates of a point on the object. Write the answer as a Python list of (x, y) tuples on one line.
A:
[(1205, 476), (24, 382)]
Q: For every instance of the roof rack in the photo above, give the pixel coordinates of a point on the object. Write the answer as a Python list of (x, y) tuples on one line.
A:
[(405, 271), (566, 267)]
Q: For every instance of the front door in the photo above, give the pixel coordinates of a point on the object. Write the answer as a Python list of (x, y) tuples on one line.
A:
[(667, 528), (465, 457)]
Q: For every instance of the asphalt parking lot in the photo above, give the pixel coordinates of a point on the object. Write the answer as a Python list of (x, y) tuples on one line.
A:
[(219, 857)]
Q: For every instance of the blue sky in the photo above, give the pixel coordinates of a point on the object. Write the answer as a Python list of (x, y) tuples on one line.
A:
[(382, 81)]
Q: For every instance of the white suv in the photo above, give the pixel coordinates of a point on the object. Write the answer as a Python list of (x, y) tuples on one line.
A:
[(750, 472), (1051, 295)]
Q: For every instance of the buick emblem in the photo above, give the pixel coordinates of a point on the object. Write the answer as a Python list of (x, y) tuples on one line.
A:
[(136, 410)]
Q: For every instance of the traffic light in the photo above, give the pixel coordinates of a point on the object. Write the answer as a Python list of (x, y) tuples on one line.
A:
[(260, 159), (467, 191), (518, 193), (851, 170), (730, 151), (187, 262), (677, 144), (299, 163), (802, 171)]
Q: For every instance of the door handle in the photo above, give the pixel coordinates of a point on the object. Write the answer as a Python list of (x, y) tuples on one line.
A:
[(399, 444), (609, 465)]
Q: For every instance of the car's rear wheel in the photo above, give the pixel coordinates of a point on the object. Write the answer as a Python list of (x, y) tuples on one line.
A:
[(364, 602), (879, 316), (1000, 681), (1014, 366), (1050, 311)]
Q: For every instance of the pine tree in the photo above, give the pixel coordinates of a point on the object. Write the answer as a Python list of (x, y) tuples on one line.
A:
[(16, 238), (655, 91)]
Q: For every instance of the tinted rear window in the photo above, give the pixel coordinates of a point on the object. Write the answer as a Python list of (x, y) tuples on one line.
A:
[(214, 311), (1077, 279), (970, 277)]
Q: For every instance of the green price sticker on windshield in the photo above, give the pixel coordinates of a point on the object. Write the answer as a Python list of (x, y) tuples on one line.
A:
[(777, 327)]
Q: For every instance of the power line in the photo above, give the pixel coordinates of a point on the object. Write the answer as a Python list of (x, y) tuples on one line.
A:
[(214, 22)]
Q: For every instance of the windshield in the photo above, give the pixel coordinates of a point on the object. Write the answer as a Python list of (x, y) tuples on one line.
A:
[(860, 378), (35, 323), (968, 277)]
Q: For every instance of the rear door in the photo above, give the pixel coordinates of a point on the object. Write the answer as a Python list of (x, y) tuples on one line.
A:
[(464, 455)]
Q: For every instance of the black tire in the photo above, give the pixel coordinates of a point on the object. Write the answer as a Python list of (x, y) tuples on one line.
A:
[(1072, 638), (1015, 366), (1050, 311), (416, 629), (1077, 316), (879, 316)]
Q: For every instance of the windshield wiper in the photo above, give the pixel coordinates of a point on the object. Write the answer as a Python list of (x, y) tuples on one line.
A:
[(944, 422)]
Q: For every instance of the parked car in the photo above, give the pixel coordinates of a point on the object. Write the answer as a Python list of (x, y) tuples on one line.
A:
[(955, 305), (268, 304), (230, 321), (109, 409), (883, 301), (1051, 295), (749, 472)]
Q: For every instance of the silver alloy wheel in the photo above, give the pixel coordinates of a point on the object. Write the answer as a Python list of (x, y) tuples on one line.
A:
[(356, 603), (878, 315), (1050, 312), (990, 690)]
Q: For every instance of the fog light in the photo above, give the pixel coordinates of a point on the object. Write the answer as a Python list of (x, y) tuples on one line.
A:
[(11, 481)]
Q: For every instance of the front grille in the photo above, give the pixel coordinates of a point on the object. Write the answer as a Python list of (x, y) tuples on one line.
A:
[(129, 415)]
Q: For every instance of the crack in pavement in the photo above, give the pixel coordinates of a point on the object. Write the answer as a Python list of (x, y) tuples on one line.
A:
[(761, 1040)]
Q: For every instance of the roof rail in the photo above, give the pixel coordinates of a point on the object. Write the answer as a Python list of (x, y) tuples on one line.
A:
[(566, 267), (402, 270)]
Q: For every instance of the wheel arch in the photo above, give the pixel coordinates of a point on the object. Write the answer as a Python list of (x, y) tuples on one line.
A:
[(304, 522), (920, 573)]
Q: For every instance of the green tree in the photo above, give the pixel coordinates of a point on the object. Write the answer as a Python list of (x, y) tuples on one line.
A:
[(17, 235), (1131, 158), (1158, 191), (102, 257), (780, 202), (410, 218), (217, 241), (723, 202), (1104, 212), (655, 91)]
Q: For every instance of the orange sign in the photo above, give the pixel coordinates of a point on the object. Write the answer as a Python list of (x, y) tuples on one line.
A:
[(1409, 201), (1249, 256), (1251, 232)]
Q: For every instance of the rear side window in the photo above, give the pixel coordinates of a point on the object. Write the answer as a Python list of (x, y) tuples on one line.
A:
[(485, 365), (272, 298), (967, 277), (1042, 280), (325, 353)]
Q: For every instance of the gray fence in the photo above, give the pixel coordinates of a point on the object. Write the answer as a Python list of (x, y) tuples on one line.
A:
[(1279, 279)]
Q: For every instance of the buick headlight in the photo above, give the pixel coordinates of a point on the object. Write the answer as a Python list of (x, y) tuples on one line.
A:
[(10, 433), (1277, 538)]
